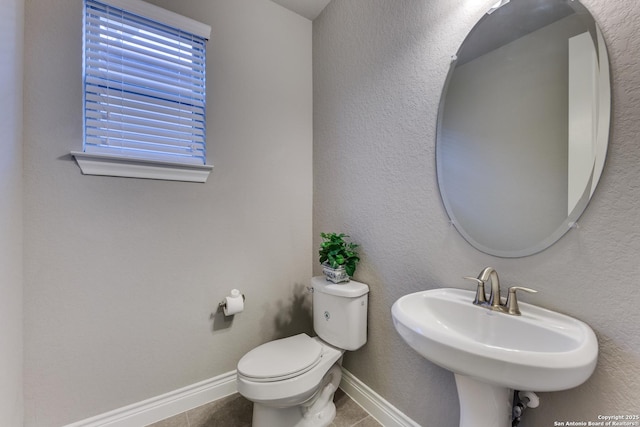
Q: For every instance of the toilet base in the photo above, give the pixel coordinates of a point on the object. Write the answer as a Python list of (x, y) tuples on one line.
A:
[(265, 416), (319, 411)]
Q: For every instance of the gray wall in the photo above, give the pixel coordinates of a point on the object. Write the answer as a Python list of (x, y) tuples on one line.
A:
[(11, 355), (122, 275), (379, 67)]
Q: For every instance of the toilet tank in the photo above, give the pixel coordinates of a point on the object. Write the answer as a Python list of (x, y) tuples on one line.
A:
[(340, 312)]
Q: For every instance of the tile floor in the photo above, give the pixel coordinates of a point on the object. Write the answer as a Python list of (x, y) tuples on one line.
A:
[(235, 411)]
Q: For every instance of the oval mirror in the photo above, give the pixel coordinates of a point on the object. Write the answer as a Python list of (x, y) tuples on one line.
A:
[(523, 125)]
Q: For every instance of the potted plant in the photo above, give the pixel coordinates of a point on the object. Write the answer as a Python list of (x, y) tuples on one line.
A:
[(338, 257)]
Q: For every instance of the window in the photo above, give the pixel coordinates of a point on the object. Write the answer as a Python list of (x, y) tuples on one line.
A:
[(144, 92)]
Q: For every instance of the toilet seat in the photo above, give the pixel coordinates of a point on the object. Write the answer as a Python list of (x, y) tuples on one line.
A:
[(281, 359), (294, 390)]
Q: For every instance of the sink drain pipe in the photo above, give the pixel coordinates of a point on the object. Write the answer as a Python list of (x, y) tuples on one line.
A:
[(521, 401)]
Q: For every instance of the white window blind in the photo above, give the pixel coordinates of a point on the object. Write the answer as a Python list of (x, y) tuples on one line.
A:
[(144, 86)]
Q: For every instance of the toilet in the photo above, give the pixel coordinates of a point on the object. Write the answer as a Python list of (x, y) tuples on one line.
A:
[(291, 381)]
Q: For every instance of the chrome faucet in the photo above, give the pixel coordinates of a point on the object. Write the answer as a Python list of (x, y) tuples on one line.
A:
[(495, 301)]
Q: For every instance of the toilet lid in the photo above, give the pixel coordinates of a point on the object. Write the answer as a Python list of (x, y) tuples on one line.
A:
[(281, 359)]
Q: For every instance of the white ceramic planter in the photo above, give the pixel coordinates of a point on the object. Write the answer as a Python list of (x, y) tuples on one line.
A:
[(335, 275)]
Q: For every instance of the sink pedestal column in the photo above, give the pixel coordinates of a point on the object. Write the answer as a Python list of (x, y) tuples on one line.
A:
[(482, 404)]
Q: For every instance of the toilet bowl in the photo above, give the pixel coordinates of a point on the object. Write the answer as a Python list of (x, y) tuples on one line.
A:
[(291, 381)]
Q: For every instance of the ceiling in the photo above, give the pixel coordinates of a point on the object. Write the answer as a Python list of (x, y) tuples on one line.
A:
[(310, 9)]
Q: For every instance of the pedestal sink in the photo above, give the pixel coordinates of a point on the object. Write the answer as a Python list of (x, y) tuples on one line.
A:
[(492, 353)]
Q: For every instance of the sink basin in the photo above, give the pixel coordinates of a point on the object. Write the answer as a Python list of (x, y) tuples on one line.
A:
[(540, 350), (493, 353)]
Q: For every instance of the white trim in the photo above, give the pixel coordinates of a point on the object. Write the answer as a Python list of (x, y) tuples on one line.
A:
[(176, 402), (109, 165), (166, 405), (158, 14), (384, 412)]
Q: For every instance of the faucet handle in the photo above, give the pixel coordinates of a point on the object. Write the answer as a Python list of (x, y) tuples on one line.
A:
[(512, 300), (480, 294)]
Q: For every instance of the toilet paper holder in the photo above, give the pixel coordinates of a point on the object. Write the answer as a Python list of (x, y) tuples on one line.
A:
[(223, 303)]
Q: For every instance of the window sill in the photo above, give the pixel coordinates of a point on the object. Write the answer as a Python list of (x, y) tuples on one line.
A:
[(109, 165)]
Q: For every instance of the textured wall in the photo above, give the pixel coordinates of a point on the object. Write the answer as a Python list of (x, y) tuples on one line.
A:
[(122, 275), (11, 355), (379, 67)]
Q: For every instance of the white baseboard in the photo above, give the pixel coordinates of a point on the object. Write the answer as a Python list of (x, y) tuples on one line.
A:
[(384, 412), (167, 405)]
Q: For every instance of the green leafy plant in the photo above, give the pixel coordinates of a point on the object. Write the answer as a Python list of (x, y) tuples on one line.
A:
[(336, 252)]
